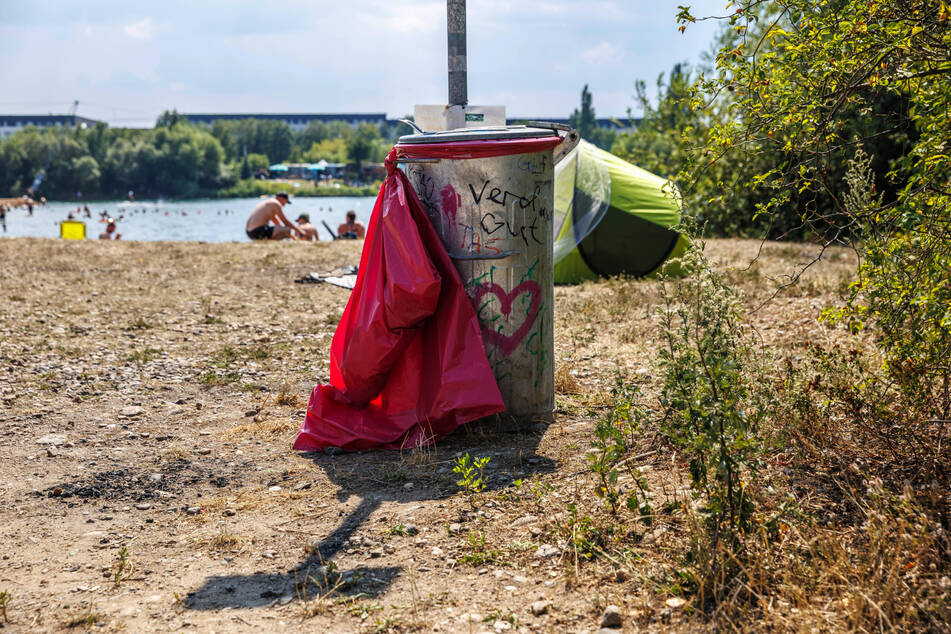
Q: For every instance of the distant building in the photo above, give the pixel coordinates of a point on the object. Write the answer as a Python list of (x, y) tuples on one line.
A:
[(10, 123), (618, 124), (296, 122)]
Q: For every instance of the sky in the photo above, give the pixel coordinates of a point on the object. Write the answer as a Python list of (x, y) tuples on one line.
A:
[(127, 61)]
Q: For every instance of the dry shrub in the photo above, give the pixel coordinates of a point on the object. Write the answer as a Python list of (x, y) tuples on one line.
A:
[(175, 452), (225, 540), (264, 427), (288, 395), (565, 382), (882, 574)]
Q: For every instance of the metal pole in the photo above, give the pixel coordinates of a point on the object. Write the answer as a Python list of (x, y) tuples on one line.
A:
[(456, 23)]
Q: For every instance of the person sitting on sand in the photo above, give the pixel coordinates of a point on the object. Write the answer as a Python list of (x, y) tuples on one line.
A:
[(110, 229), (351, 229), (308, 231), (258, 226)]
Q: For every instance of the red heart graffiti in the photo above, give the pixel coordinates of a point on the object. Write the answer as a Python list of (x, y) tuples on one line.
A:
[(507, 343)]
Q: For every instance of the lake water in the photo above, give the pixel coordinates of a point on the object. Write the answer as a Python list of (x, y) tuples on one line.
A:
[(209, 220)]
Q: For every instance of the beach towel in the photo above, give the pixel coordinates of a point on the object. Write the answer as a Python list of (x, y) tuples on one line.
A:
[(407, 363)]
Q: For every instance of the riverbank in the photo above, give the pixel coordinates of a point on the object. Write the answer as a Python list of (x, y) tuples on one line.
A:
[(303, 189), (244, 189), (150, 395)]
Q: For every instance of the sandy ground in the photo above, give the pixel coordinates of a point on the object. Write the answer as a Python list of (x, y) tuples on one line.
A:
[(149, 396)]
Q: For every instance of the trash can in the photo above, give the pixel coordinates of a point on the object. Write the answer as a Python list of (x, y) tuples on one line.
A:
[(489, 194)]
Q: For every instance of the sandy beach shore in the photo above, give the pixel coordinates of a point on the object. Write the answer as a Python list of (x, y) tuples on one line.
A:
[(149, 395)]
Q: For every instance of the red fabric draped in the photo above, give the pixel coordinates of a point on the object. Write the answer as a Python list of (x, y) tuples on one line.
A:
[(407, 364)]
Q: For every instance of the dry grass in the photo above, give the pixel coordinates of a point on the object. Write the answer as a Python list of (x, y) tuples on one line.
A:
[(174, 453), (226, 540), (267, 427), (844, 560), (290, 395), (565, 382)]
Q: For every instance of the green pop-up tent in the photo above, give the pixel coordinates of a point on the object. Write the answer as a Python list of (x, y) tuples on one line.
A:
[(611, 217)]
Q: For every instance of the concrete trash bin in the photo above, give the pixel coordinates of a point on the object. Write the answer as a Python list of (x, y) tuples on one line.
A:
[(494, 215)]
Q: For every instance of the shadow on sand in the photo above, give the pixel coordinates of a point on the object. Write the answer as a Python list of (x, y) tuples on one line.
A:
[(375, 477)]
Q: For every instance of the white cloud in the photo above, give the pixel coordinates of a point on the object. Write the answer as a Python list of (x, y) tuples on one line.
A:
[(141, 30), (392, 19), (176, 86), (602, 53)]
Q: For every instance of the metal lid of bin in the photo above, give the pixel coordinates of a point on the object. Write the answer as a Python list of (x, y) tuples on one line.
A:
[(479, 134)]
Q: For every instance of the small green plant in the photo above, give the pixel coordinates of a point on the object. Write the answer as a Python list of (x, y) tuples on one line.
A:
[(362, 610), (258, 353), (122, 564), (212, 378), (713, 412), (479, 554), (87, 617), (144, 356), (139, 324), (471, 473), (5, 598), (225, 357), (389, 624), (499, 615), (398, 529), (212, 319), (584, 537), (615, 434)]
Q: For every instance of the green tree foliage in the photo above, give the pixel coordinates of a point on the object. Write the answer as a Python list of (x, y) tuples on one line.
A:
[(661, 139), (586, 123), (258, 161), (274, 139), (170, 160), (362, 144), (851, 98), (330, 150), (583, 120)]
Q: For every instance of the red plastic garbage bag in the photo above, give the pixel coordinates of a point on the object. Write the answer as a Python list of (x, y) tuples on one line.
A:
[(407, 365)]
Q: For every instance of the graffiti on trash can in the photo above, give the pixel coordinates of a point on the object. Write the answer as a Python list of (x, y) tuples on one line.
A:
[(492, 222), (507, 343), (425, 188), (451, 201), (473, 242), (534, 163), (502, 197)]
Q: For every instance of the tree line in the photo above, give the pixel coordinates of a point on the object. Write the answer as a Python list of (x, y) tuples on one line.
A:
[(176, 158)]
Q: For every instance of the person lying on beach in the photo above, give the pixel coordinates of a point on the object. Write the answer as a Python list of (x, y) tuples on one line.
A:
[(351, 229), (259, 225), (110, 229), (308, 231)]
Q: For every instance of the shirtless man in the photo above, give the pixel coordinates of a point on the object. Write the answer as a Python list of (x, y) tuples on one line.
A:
[(308, 231), (351, 229), (258, 226)]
